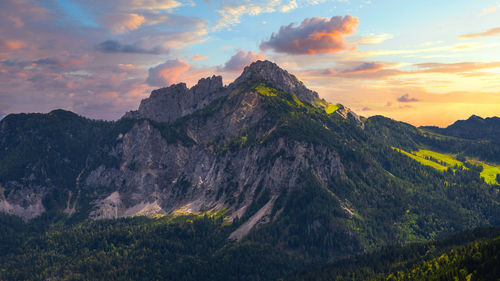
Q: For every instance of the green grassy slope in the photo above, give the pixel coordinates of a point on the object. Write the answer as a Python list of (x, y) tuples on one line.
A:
[(443, 161)]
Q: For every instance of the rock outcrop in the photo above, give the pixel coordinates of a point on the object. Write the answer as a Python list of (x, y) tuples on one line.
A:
[(279, 78), (168, 104)]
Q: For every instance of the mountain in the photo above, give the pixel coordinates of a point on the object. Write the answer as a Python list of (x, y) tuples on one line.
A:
[(259, 168), (474, 128)]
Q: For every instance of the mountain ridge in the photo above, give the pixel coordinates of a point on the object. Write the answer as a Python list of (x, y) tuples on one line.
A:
[(311, 179), (475, 127)]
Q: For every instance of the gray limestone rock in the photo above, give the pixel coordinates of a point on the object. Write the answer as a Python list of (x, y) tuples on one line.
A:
[(168, 104)]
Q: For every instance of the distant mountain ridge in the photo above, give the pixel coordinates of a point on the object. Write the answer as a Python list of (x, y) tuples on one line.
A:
[(473, 128)]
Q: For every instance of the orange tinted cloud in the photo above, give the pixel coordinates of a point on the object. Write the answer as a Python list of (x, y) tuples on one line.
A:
[(491, 32), (122, 23), (10, 45), (198, 57), (313, 35)]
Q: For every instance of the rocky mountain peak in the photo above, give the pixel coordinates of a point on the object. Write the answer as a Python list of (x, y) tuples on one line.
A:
[(278, 77), (168, 104)]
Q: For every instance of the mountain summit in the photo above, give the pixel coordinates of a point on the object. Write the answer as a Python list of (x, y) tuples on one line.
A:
[(168, 104), (279, 78)]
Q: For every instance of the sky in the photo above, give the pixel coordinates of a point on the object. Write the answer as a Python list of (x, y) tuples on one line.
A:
[(422, 62)]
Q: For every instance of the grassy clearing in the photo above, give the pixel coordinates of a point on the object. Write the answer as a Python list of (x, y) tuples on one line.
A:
[(423, 161), (265, 91), (441, 158), (489, 172), (441, 162)]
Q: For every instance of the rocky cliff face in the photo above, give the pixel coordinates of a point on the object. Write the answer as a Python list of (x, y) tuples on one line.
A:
[(155, 177), (23, 201), (159, 177)]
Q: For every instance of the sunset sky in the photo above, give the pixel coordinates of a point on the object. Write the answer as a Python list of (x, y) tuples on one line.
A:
[(422, 62)]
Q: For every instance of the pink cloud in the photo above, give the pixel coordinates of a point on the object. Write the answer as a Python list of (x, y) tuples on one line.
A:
[(167, 73), (313, 35), (239, 60)]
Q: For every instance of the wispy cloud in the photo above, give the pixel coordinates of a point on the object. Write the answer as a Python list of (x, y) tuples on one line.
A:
[(198, 57), (490, 32), (490, 10), (131, 5), (231, 12), (371, 39), (438, 49), (460, 67), (290, 6)]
